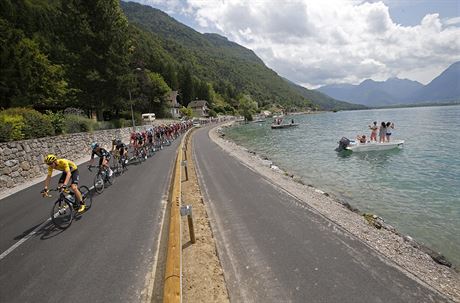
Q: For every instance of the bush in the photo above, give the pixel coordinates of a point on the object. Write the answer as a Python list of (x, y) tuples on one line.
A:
[(77, 124), (103, 125), (57, 120), (35, 124), (11, 127), (120, 123)]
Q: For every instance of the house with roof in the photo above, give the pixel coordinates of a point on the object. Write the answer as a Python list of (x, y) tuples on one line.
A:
[(200, 108), (173, 105)]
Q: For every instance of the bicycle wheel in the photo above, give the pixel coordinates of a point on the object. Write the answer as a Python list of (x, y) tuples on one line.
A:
[(99, 183), (124, 163), (109, 179), (151, 151), (87, 196), (62, 214), (116, 168), (141, 156)]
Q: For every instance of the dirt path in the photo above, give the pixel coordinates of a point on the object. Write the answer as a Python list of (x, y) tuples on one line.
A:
[(203, 278)]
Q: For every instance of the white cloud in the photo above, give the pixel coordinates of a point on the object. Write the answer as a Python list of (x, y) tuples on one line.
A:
[(330, 41), (452, 21)]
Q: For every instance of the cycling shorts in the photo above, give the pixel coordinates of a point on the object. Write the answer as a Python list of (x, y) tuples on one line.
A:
[(74, 178)]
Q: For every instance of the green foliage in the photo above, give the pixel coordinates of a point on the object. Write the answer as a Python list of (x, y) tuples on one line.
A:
[(57, 121), (27, 76), (101, 125), (98, 45), (11, 127), (212, 113), (186, 112), (36, 125), (247, 107), (121, 123), (78, 124)]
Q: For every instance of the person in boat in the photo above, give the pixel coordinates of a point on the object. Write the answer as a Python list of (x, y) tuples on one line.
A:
[(361, 139), (389, 127), (382, 132), (374, 128), (292, 121)]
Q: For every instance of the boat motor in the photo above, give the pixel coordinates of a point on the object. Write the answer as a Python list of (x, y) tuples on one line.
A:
[(344, 142)]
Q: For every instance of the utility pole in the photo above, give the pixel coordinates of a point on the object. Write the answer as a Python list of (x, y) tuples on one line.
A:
[(132, 112)]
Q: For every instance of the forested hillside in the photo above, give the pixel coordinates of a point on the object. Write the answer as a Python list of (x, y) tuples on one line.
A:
[(229, 67), (57, 54)]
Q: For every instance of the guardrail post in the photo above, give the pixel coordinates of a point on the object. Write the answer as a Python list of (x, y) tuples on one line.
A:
[(184, 163), (186, 210), (184, 148)]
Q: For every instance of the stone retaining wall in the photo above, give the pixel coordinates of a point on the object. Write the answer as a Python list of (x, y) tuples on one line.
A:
[(21, 161)]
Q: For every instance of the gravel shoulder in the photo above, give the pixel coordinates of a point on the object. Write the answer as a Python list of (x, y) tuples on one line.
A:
[(203, 277), (399, 249)]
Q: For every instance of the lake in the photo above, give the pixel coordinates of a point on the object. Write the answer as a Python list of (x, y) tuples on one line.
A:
[(416, 189)]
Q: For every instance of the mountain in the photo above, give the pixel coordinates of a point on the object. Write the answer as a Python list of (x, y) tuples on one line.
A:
[(445, 87), (223, 63), (374, 93), (324, 101), (394, 91)]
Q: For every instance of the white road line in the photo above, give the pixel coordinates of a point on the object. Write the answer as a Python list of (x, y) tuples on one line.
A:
[(17, 244)]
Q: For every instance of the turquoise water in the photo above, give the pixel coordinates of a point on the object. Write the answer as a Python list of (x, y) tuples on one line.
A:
[(416, 189)]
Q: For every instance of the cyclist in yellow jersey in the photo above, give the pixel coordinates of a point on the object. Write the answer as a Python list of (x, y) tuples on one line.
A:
[(69, 172)]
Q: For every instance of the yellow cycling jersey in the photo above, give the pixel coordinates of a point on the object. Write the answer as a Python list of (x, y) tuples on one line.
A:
[(63, 165)]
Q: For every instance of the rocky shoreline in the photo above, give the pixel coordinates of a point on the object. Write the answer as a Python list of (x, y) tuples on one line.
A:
[(416, 260)]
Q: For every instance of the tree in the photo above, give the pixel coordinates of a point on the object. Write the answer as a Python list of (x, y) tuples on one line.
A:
[(97, 37), (247, 107), (186, 112), (186, 87), (27, 76), (156, 90)]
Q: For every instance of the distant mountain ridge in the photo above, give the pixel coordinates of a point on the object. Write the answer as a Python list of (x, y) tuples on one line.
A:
[(217, 60), (395, 91), (445, 87)]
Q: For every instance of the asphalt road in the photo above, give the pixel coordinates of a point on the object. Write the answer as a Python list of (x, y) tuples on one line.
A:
[(273, 248), (106, 256)]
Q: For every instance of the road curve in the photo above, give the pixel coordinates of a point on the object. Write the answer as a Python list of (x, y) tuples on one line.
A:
[(274, 249), (103, 257)]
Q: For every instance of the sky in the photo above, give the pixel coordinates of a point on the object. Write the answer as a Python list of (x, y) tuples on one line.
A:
[(319, 42)]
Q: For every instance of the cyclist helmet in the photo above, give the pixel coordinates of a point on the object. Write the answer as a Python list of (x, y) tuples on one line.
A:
[(94, 145), (50, 159)]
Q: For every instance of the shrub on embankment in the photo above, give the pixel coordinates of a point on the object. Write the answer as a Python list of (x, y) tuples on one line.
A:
[(25, 123)]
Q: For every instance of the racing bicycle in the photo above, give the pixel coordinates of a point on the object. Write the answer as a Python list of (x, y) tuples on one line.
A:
[(65, 208)]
